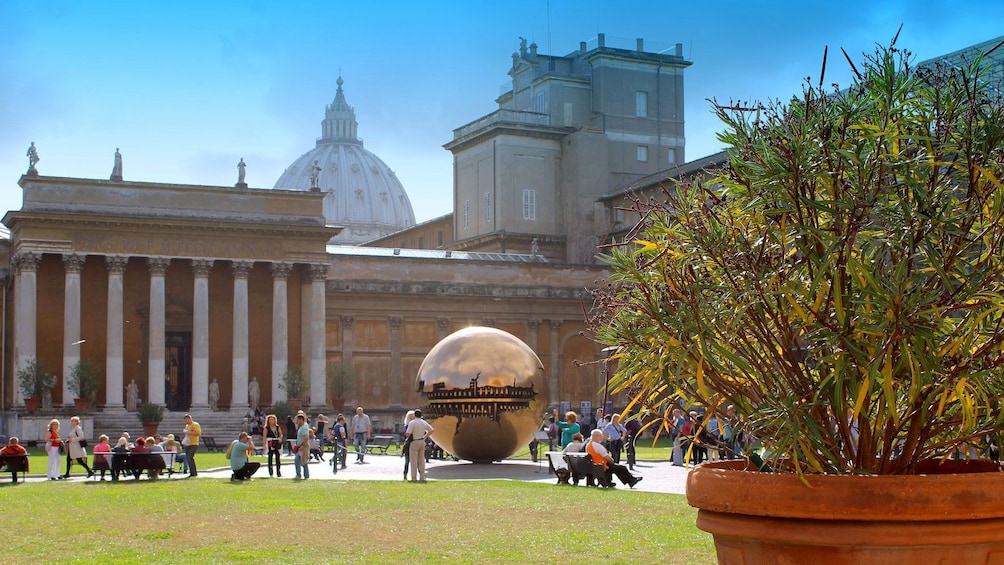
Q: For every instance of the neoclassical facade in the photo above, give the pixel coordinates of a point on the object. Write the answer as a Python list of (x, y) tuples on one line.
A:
[(177, 286)]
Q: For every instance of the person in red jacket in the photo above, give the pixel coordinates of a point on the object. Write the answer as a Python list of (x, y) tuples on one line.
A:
[(13, 448)]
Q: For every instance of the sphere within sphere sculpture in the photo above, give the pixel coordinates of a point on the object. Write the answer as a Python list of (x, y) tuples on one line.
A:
[(480, 384)]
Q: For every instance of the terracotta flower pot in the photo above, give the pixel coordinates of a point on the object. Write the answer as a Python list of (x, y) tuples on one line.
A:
[(927, 518), (32, 404), (337, 403), (150, 428), (296, 404), (82, 404)]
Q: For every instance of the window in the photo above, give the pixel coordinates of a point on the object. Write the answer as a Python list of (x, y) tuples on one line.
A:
[(671, 156), (540, 103), (440, 237), (421, 242), (467, 214), (643, 153), (529, 204), (488, 206), (641, 104)]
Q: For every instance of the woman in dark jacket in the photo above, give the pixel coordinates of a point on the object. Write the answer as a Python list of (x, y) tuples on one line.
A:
[(290, 432)]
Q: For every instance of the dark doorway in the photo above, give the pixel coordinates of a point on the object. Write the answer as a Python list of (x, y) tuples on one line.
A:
[(178, 371)]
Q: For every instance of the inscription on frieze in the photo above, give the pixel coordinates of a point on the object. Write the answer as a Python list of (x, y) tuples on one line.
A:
[(178, 247)]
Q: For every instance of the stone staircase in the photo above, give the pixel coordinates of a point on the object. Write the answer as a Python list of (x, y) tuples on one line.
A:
[(222, 426)]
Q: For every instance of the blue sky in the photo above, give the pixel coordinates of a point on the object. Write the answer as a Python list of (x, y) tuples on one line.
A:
[(185, 89)]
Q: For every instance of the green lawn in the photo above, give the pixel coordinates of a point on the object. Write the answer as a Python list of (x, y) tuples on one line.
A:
[(265, 521)]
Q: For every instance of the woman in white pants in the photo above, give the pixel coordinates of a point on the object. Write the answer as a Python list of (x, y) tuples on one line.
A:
[(52, 443)]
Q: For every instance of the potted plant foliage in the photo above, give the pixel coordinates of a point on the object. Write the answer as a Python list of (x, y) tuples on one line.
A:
[(83, 382), (840, 283), (34, 380), (340, 380), (294, 382), (150, 415)]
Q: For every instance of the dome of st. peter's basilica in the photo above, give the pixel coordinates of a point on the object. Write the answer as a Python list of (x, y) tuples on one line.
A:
[(363, 194)]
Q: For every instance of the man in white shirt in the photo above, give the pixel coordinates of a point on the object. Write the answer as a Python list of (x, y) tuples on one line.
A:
[(362, 432), (418, 429), (601, 456)]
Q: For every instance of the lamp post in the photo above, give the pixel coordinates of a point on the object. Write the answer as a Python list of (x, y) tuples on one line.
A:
[(606, 374)]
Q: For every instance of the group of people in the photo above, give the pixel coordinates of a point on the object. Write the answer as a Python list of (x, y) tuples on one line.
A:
[(108, 458), (695, 440), (604, 446)]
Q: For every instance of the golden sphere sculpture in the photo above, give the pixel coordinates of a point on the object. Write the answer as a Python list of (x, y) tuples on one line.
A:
[(480, 385)]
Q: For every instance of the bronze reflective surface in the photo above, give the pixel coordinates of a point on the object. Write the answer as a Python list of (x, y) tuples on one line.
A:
[(481, 388)]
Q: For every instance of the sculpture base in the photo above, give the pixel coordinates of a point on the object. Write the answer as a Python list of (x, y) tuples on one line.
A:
[(241, 186)]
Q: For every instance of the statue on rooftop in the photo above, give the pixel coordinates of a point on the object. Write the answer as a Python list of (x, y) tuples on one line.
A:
[(315, 175), (32, 159), (240, 172), (117, 167)]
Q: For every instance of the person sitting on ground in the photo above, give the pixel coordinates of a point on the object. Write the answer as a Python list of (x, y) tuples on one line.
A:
[(243, 468), (13, 447), (102, 456), (578, 444), (601, 456)]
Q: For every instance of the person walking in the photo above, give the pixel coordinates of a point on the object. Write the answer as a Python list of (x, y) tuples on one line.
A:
[(406, 450), (418, 430), (273, 443), (341, 442), (362, 432), (193, 431), (52, 445), (301, 450), (75, 448)]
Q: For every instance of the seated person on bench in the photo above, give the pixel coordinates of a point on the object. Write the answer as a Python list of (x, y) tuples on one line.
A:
[(239, 464), (601, 456), (13, 448)]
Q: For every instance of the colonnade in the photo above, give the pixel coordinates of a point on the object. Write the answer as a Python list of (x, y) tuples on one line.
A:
[(25, 265)]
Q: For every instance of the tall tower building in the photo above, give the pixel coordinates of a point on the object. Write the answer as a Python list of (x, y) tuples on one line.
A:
[(571, 129)]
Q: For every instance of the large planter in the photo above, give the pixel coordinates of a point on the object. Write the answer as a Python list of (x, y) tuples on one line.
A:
[(296, 404), (337, 403), (32, 404), (150, 428), (776, 518), (82, 404)]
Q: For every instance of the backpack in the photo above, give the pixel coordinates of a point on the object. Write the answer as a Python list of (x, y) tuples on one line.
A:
[(230, 448)]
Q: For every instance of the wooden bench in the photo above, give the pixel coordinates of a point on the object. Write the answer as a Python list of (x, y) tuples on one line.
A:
[(14, 464), (211, 445), (382, 443), (137, 463)]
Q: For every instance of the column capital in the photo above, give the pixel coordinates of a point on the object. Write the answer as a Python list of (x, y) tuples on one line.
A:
[(443, 323), (116, 264), (555, 324), (347, 322), (533, 323), (73, 262), (27, 261), (395, 322), (158, 265), (201, 267), (319, 272), (280, 271), (241, 269)]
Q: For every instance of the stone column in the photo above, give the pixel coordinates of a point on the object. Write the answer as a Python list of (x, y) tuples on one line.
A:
[(280, 327), (555, 360), (239, 375), (158, 303), (72, 265), (200, 334), (318, 347), (395, 361), (347, 342), (116, 265), (443, 327), (25, 313)]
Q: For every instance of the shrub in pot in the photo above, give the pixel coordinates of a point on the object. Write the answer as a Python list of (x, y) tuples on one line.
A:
[(34, 381), (83, 383), (294, 382), (150, 415), (840, 283), (340, 380)]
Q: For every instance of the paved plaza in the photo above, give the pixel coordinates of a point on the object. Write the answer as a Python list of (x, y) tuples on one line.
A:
[(659, 476)]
